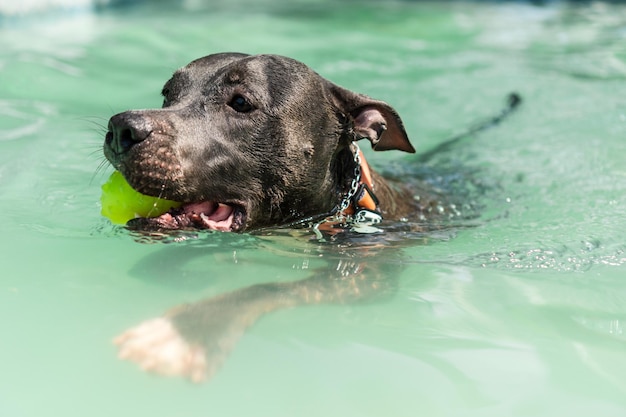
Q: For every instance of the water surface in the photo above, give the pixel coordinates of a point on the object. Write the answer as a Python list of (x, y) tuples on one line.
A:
[(519, 311)]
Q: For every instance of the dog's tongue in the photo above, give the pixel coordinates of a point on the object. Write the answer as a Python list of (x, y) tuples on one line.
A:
[(203, 215), (214, 216)]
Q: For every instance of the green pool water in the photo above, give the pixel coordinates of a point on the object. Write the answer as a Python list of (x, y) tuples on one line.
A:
[(521, 314)]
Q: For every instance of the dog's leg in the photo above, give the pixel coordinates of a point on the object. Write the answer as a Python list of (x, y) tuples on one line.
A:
[(194, 340)]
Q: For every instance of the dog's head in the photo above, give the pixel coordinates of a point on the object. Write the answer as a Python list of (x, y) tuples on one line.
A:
[(247, 142)]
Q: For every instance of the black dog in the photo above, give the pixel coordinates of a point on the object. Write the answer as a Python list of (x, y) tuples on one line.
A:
[(248, 142)]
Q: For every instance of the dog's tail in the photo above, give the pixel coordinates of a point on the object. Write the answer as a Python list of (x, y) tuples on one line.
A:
[(513, 102)]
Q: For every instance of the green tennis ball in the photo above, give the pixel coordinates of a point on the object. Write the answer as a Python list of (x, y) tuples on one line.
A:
[(120, 202)]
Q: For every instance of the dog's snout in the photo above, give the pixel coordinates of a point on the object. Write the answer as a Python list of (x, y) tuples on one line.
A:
[(126, 130)]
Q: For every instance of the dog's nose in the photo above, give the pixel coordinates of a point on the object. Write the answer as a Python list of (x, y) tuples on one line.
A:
[(126, 130)]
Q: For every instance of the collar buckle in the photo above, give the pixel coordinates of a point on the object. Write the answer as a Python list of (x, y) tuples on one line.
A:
[(366, 217)]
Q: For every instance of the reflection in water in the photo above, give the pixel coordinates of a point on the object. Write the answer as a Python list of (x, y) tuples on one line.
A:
[(23, 118), (193, 340)]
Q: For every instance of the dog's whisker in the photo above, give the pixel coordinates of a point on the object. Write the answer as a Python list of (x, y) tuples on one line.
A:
[(100, 170), (97, 125), (95, 153), (162, 190), (99, 131), (92, 118)]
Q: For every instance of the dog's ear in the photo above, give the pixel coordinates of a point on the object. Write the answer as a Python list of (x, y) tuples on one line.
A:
[(372, 119)]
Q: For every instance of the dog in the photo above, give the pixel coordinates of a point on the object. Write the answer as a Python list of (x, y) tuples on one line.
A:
[(247, 143)]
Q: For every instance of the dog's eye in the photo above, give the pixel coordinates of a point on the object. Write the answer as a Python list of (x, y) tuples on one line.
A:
[(240, 104)]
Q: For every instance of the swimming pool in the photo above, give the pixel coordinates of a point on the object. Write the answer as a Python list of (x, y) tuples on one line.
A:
[(519, 311)]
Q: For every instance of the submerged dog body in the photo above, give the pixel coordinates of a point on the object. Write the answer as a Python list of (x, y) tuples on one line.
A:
[(246, 142)]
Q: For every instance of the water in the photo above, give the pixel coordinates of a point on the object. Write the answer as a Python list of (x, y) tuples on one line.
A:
[(519, 311)]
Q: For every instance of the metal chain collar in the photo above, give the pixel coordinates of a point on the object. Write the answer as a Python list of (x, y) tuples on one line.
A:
[(354, 185), (362, 220)]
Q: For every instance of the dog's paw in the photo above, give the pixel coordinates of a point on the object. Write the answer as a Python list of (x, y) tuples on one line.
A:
[(156, 346)]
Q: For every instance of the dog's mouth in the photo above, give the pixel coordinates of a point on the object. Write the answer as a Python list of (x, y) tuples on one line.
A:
[(206, 215)]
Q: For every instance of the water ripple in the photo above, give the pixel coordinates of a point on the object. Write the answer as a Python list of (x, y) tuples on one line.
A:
[(23, 118)]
